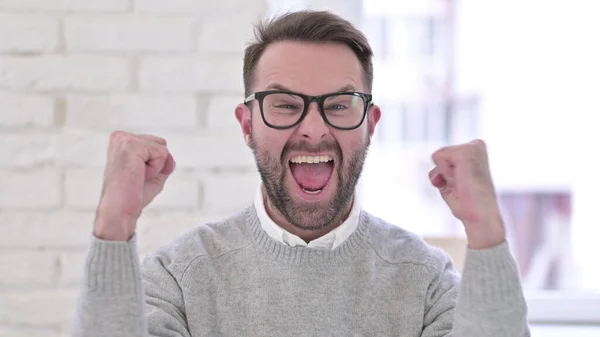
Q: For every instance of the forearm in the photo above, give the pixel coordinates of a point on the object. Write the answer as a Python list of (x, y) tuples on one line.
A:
[(111, 302), (491, 301)]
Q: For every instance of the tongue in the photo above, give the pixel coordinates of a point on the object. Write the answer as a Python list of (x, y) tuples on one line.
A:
[(312, 176)]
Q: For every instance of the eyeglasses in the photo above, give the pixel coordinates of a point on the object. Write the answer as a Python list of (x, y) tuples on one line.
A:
[(284, 109)]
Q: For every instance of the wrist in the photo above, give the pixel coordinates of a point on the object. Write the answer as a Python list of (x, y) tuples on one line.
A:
[(486, 235), (113, 228), (111, 235), (486, 241)]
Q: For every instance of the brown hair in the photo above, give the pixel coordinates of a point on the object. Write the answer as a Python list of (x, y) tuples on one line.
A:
[(307, 26)]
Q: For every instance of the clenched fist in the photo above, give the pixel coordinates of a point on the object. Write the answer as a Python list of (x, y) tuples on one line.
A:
[(136, 170), (463, 178)]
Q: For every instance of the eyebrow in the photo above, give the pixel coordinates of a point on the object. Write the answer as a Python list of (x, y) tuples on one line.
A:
[(277, 86)]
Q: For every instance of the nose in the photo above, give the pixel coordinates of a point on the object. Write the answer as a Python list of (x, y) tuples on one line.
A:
[(313, 127)]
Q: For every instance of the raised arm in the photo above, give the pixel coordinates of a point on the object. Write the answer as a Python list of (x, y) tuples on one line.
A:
[(490, 299), (114, 301)]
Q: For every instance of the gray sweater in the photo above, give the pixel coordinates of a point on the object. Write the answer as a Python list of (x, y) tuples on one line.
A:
[(229, 278)]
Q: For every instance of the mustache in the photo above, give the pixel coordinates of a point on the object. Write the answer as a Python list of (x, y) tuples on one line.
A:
[(306, 146)]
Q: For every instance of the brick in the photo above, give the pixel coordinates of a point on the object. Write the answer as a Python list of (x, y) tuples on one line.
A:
[(72, 264), (30, 189), (199, 7), (192, 74), (71, 72), (157, 229), (228, 33), (38, 307), (220, 114), (26, 150), (20, 331), (210, 150), (129, 33), (180, 192), (229, 192), (83, 188), (40, 230), (82, 149), (65, 5), (26, 110), (110, 112), (28, 33), (20, 270)]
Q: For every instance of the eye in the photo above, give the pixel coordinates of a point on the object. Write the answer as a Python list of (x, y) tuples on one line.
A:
[(336, 107), (286, 106)]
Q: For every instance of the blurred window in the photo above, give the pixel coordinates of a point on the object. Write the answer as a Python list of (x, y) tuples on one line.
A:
[(523, 76)]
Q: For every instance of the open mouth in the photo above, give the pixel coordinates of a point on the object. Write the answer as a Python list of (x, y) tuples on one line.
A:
[(312, 173)]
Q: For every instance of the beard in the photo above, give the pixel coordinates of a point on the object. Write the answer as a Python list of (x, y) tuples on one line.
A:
[(310, 216)]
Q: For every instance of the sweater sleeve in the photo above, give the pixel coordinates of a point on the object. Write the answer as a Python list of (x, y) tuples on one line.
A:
[(113, 301), (488, 301)]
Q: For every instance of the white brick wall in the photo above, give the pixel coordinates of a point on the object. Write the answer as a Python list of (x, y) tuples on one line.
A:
[(204, 8), (192, 73), (36, 33), (30, 189), (44, 307), (125, 33), (24, 150), (28, 111), (87, 73), (25, 269), (217, 115), (28, 332), (71, 71), (215, 35), (107, 112), (62, 7), (44, 230)]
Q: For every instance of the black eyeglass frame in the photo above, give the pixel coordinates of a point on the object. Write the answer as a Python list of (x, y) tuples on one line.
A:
[(320, 100)]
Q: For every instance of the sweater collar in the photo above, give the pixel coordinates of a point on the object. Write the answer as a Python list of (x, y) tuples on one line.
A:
[(356, 242), (330, 240)]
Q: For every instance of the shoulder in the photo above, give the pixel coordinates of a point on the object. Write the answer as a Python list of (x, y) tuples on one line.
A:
[(395, 245), (208, 240)]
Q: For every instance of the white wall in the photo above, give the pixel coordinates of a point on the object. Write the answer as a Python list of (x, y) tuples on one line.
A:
[(72, 71)]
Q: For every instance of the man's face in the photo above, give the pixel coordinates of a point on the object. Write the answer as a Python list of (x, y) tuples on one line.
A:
[(309, 171)]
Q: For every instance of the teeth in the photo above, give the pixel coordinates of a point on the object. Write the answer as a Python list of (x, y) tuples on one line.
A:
[(312, 192), (311, 159)]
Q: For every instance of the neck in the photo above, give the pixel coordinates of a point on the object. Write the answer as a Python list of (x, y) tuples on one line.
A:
[(305, 234)]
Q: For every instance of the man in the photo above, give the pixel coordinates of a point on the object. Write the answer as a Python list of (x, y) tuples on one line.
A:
[(304, 259)]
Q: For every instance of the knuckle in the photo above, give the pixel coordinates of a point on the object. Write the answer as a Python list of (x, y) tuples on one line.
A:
[(128, 141), (116, 133), (156, 151), (438, 154), (163, 151), (153, 139), (479, 144), (115, 136), (121, 141)]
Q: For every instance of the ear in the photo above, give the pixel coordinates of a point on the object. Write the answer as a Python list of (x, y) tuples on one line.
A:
[(374, 115), (244, 117)]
